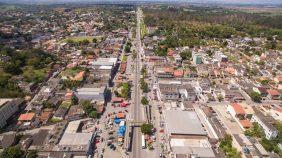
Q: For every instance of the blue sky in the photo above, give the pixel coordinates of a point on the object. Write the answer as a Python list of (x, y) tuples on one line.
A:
[(223, 1)]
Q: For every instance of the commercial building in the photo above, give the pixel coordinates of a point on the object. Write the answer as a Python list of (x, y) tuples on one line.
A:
[(197, 58), (188, 124), (74, 139), (8, 107), (92, 94), (187, 137)]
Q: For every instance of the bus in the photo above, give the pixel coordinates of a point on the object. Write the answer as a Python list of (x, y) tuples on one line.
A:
[(143, 142)]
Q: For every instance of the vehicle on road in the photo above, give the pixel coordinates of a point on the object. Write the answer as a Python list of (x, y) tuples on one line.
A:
[(143, 142)]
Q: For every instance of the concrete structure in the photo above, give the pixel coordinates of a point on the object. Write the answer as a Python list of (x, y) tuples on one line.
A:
[(8, 107), (188, 124), (93, 94), (269, 130), (197, 58), (73, 140)]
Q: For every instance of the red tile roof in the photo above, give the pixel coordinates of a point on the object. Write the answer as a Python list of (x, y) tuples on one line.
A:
[(26, 117), (238, 109), (178, 73), (273, 92), (245, 123), (168, 69)]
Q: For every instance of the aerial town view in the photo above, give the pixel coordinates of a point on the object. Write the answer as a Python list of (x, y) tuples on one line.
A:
[(140, 79)]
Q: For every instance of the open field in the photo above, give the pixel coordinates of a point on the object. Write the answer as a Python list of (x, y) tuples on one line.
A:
[(268, 11)]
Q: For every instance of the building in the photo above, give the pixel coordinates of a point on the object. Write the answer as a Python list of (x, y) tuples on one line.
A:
[(8, 107), (93, 94), (77, 139), (197, 58), (188, 124), (269, 130), (187, 137)]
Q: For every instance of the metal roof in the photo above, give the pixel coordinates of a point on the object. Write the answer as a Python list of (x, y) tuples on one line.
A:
[(183, 122)]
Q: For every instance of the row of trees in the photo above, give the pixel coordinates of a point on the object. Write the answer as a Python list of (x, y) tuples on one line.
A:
[(89, 109), (226, 146), (16, 152)]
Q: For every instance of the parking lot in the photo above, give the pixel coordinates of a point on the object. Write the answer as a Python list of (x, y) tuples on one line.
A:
[(107, 140)]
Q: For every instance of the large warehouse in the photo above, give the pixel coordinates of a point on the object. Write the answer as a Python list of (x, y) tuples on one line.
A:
[(183, 124)]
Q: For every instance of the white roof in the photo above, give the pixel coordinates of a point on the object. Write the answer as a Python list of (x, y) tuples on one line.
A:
[(188, 123), (105, 67), (75, 139), (72, 127)]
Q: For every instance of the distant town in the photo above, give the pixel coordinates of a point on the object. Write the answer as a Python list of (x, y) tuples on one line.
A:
[(140, 81)]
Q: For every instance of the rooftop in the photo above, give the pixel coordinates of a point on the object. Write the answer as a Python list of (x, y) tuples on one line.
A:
[(188, 123)]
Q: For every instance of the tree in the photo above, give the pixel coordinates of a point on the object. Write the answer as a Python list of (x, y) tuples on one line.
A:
[(144, 101), (94, 40), (226, 146), (147, 128), (126, 90), (186, 55), (85, 42), (12, 152), (93, 114), (255, 131), (144, 71), (74, 100), (220, 97), (32, 154), (256, 97), (87, 106)]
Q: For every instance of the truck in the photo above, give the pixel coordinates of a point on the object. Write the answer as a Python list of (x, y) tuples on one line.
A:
[(143, 142)]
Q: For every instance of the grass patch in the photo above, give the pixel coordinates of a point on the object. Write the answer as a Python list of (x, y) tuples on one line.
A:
[(66, 104)]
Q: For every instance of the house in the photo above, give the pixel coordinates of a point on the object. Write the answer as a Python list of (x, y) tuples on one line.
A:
[(8, 107), (178, 73), (269, 130), (236, 110), (166, 72), (169, 92), (202, 70), (273, 94), (27, 117), (7, 140), (45, 116)]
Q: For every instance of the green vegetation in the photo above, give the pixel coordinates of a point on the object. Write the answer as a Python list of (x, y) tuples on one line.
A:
[(55, 120), (255, 131), (128, 47), (124, 58), (71, 84), (12, 152), (33, 75), (147, 128), (144, 101), (256, 97), (126, 90), (144, 71), (9, 87), (272, 144), (226, 146), (66, 104), (144, 86), (32, 154), (186, 55), (143, 29), (74, 100), (89, 109), (32, 64), (76, 41)]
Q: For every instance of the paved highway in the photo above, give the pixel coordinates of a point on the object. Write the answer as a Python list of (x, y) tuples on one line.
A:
[(136, 145)]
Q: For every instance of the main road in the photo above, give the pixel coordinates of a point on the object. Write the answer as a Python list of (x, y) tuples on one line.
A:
[(136, 145)]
